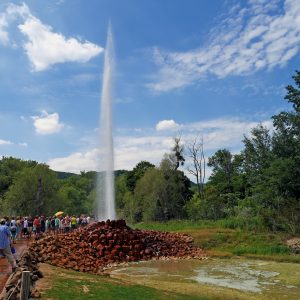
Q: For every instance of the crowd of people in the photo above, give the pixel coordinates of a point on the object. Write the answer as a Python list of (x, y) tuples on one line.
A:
[(17, 228)]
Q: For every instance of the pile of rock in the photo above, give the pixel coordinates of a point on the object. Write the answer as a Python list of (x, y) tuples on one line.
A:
[(294, 244), (99, 245), (12, 289)]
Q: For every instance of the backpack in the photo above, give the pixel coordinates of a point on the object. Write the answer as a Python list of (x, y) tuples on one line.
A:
[(13, 228)]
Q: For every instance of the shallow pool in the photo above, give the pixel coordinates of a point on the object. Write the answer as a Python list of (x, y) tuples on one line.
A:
[(218, 278)]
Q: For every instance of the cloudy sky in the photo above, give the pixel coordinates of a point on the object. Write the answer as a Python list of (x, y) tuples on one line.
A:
[(212, 69)]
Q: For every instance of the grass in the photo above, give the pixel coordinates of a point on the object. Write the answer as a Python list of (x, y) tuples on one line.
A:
[(65, 285), (175, 225), (222, 239), (261, 250)]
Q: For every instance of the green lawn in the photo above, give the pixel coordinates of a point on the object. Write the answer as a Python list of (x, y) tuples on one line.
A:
[(65, 285)]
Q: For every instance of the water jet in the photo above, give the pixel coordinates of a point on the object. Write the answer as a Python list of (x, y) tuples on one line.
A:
[(105, 185)]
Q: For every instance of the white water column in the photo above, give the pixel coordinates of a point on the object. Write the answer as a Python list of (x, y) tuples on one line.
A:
[(106, 187)]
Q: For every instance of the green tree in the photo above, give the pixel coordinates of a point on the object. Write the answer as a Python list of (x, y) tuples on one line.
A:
[(161, 194), (138, 172), (272, 166), (176, 192), (257, 155), (276, 196), (226, 184), (222, 170), (286, 140), (149, 194), (121, 189), (77, 193), (21, 197), (9, 168)]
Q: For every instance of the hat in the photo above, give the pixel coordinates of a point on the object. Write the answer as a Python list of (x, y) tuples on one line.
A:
[(2, 221)]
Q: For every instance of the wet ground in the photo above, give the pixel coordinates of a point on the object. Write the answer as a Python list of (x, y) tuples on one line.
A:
[(235, 278), (5, 268)]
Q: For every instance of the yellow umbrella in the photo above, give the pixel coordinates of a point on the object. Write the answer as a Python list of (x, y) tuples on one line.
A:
[(59, 213)]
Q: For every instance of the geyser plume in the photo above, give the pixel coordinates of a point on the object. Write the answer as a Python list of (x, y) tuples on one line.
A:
[(105, 187)]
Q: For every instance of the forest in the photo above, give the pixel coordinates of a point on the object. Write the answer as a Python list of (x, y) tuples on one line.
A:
[(258, 188)]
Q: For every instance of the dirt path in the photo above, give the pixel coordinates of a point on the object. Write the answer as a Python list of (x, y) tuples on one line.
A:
[(5, 268)]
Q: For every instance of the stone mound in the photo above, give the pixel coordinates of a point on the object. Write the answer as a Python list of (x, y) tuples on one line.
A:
[(99, 245), (294, 244)]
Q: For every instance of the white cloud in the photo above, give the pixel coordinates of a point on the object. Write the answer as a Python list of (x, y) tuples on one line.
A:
[(11, 13), (129, 150), (76, 162), (258, 36), (221, 133), (5, 142), (166, 125), (45, 47), (47, 123)]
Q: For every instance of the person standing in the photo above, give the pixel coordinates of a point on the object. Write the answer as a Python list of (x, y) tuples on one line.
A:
[(57, 224), (13, 230), (5, 244), (30, 226), (25, 228), (37, 227), (52, 222), (73, 222), (43, 224), (48, 225), (20, 222)]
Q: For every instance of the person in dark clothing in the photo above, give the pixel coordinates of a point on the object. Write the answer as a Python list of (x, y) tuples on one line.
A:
[(53, 224), (43, 224)]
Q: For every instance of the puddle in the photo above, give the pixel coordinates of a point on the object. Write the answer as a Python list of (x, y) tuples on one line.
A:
[(257, 279), (241, 276)]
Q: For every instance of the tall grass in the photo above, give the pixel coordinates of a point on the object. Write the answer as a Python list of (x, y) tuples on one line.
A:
[(176, 225), (261, 250), (252, 224)]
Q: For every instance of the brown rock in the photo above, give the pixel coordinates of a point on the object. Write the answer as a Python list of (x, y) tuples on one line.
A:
[(92, 247)]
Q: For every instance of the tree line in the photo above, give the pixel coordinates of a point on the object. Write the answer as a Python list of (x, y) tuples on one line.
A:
[(258, 187)]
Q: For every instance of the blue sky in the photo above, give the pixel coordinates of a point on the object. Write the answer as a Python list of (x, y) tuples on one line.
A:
[(210, 69)]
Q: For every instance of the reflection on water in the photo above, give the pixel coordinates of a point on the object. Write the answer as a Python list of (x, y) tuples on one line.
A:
[(247, 276)]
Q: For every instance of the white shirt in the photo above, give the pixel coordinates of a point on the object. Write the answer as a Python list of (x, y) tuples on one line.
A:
[(25, 225)]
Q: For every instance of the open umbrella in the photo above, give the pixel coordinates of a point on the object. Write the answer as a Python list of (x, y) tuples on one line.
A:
[(59, 213)]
